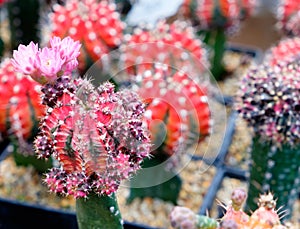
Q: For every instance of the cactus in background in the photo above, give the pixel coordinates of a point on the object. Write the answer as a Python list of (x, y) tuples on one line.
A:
[(96, 135), (268, 100), (264, 217), (234, 211), (95, 24), (160, 63), (288, 16), (20, 112), (24, 18), (178, 117), (184, 218), (174, 45), (287, 50), (180, 104), (217, 19)]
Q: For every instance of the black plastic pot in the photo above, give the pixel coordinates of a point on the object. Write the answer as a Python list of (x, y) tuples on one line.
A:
[(17, 215)]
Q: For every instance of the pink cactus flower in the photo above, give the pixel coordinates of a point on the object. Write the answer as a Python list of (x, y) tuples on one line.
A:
[(25, 57), (67, 47), (49, 62)]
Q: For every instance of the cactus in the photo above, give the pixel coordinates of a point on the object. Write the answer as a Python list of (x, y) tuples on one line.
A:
[(95, 24), (264, 217), (184, 218), (178, 104), (268, 100), (287, 50), (173, 44), (96, 135), (24, 19), (20, 112), (216, 20), (142, 55), (288, 17), (234, 211)]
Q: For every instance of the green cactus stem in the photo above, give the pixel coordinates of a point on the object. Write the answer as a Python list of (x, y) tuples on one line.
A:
[(101, 212), (276, 170), (23, 21), (216, 40)]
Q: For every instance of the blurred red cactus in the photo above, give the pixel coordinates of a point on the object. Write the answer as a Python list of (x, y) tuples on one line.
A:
[(20, 104), (95, 24)]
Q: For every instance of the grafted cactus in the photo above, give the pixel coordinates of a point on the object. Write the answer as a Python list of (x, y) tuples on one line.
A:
[(20, 112), (96, 24), (216, 19), (19, 95), (268, 100), (287, 50), (178, 117), (180, 104), (174, 45), (288, 16), (96, 135)]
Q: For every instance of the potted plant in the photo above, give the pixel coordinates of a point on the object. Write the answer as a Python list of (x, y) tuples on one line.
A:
[(95, 134)]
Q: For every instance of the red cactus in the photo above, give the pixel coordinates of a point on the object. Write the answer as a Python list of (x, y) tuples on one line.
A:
[(288, 16), (20, 103), (96, 135), (287, 50), (179, 103), (174, 45), (219, 14), (96, 25)]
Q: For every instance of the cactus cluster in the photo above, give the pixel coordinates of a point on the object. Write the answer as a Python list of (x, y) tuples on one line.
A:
[(20, 104), (288, 16), (96, 24), (287, 50), (264, 217), (179, 103), (172, 44)]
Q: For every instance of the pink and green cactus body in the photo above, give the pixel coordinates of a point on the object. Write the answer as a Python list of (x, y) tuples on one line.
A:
[(287, 50), (172, 44), (288, 16), (96, 135), (268, 100), (20, 104), (96, 24)]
